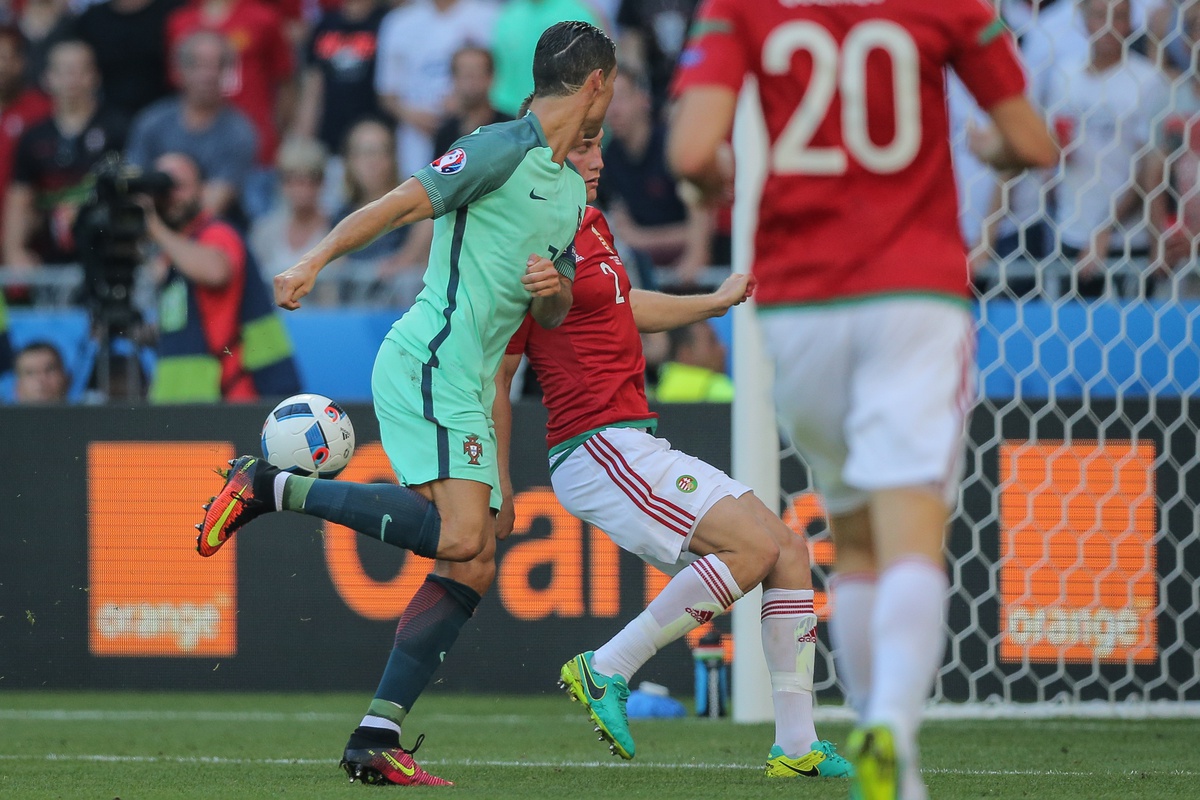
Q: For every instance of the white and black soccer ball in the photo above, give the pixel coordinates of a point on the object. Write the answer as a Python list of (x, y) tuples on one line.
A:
[(308, 434)]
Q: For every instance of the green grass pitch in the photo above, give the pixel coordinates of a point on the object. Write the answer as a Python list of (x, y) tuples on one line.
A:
[(136, 746)]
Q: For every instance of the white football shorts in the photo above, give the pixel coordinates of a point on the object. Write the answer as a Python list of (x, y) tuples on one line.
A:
[(646, 496), (875, 394)]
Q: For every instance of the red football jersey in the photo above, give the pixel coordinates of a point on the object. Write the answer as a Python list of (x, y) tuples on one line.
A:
[(262, 60), (859, 196), (591, 367)]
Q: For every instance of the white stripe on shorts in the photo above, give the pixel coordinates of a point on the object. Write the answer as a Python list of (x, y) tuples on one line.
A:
[(637, 489)]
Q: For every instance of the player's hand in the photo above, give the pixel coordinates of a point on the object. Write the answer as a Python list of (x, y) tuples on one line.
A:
[(507, 518), (540, 278), (736, 289), (294, 283)]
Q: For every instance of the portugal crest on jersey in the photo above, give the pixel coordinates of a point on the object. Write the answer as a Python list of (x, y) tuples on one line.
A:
[(473, 448)]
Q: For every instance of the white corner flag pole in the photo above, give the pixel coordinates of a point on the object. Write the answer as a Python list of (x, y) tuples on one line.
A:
[(754, 436)]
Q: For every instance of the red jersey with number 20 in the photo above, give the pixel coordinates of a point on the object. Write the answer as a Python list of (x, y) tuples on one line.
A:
[(859, 196), (591, 367)]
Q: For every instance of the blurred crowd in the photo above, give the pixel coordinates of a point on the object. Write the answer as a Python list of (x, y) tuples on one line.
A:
[(294, 113), (1119, 217)]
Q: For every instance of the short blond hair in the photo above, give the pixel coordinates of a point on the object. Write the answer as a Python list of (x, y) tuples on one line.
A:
[(300, 154)]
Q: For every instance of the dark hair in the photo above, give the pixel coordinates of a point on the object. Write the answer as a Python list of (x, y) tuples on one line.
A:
[(566, 54), (681, 338), (473, 48), (41, 346)]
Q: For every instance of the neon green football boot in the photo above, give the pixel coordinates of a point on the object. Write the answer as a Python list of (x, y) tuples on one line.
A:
[(822, 761), (604, 697), (872, 751)]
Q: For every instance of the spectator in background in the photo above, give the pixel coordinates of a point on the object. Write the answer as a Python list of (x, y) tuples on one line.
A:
[(42, 23), (1181, 152), (294, 226), (1106, 110), (21, 105), (129, 38), (515, 35), (200, 123), (219, 336), (472, 70), (695, 371), (337, 87), (40, 374), (1169, 45), (390, 268), (639, 193), (259, 80), (53, 158), (416, 44), (652, 34)]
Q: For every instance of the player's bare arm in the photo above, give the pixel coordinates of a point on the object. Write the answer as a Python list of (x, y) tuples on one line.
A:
[(502, 420), (697, 145), (551, 292), (1019, 138), (407, 203), (654, 311)]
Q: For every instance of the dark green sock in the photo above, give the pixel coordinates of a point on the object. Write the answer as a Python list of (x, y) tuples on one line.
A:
[(393, 514), (425, 633)]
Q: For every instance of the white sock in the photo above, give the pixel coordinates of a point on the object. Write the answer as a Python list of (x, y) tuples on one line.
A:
[(910, 610), (280, 480), (853, 596), (693, 597), (789, 637)]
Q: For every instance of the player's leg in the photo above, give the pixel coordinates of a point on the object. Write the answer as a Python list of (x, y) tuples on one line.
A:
[(789, 638), (426, 632), (911, 392), (420, 417), (852, 594)]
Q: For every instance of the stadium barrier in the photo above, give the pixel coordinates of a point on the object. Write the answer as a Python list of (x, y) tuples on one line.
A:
[(101, 588)]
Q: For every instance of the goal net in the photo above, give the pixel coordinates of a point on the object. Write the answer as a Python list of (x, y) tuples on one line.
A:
[(1074, 554)]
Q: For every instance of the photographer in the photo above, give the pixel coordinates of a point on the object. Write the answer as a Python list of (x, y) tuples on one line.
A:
[(219, 337)]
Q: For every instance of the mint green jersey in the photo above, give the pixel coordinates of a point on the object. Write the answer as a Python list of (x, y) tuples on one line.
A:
[(497, 197)]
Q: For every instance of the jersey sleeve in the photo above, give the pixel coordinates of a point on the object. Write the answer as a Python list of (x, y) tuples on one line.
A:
[(986, 59), (565, 263), (516, 345), (477, 164), (717, 52)]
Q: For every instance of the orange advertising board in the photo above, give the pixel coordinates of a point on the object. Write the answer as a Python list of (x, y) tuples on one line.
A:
[(150, 594), (1078, 578)]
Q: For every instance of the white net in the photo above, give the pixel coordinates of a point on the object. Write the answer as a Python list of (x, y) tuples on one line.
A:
[(1075, 553)]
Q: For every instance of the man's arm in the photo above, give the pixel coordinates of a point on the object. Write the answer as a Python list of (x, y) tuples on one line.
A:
[(551, 292), (502, 420), (697, 149), (1019, 138), (654, 311), (19, 218), (407, 203), (308, 107), (199, 263)]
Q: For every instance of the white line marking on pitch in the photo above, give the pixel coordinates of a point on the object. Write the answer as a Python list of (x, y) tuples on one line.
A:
[(472, 762), (154, 715)]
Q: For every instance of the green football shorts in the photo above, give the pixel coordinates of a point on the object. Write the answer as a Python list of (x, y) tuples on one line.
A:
[(430, 428)]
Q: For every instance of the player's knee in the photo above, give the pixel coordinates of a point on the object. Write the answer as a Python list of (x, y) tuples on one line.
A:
[(464, 542)]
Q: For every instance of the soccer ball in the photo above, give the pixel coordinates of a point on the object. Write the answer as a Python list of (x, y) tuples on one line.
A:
[(308, 434)]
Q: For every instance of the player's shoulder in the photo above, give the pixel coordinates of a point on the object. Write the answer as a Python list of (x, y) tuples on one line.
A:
[(503, 142), (594, 234)]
